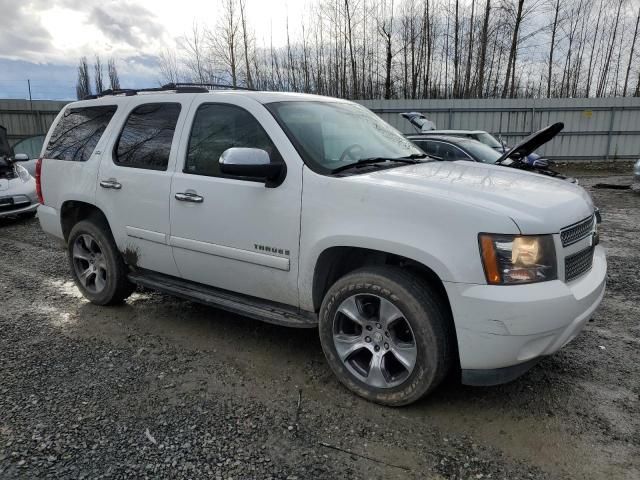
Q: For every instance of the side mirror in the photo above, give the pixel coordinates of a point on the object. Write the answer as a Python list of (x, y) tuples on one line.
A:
[(253, 163), (20, 157)]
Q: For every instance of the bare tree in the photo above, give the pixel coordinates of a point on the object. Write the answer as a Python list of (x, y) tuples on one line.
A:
[(484, 36), (97, 74), (511, 64), (196, 57), (83, 84), (593, 50), (607, 62), (386, 32), (633, 44), (224, 39), (421, 48), (456, 56), (245, 43), (552, 45), (112, 71), (354, 67), (169, 67), (467, 77)]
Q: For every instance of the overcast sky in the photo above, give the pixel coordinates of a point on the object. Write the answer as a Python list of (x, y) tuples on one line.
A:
[(42, 40)]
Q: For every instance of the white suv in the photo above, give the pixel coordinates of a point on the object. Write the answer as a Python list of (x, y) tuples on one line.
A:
[(309, 211)]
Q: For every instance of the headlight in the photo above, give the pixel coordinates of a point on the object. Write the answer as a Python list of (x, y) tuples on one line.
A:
[(23, 173), (517, 259)]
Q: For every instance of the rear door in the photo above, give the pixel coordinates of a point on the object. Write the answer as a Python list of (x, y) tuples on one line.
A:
[(134, 180), (240, 235)]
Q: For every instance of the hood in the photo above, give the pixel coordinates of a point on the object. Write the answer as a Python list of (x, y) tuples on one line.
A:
[(533, 159), (419, 121), (5, 148), (536, 203), (533, 141), (15, 182)]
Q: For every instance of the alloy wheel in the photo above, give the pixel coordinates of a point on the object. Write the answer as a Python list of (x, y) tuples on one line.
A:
[(374, 340), (89, 263)]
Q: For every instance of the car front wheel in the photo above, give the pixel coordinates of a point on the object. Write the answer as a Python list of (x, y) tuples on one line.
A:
[(386, 335)]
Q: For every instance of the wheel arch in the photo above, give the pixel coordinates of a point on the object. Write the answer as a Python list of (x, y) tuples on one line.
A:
[(337, 261), (74, 211)]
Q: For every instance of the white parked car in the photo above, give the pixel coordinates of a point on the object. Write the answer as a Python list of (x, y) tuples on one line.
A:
[(17, 187), (310, 211), (635, 186)]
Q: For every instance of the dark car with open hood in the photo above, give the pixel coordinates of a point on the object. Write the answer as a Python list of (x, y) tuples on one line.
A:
[(426, 127), (450, 147)]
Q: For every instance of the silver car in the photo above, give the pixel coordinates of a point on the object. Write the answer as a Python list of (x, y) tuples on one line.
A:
[(17, 187), (635, 186)]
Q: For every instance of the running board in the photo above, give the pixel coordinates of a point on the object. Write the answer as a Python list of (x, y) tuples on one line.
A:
[(264, 310)]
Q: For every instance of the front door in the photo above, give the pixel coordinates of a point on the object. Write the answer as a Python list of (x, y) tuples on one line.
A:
[(134, 180), (232, 232)]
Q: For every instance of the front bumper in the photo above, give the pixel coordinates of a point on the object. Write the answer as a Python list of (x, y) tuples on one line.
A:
[(500, 327), (20, 210)]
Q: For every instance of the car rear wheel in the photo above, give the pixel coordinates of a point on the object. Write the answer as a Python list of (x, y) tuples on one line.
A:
[(97, 266), (386, 335)]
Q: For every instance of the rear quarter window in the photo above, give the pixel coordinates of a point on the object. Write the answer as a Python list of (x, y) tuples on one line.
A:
[(147, 135), (78, 132)]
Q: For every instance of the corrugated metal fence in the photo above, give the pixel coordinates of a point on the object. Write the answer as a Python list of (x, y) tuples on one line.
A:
[(24, 119), (595, 128)]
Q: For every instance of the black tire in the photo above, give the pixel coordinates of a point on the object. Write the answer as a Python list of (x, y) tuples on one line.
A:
[(424, 311), (117, 286)]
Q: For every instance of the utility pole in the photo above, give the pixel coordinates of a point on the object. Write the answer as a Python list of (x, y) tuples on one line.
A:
[(37, 118), (30, 100)]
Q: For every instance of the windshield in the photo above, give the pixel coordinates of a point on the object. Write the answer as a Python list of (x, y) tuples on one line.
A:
[(32, 146), (488, 139), (330, 135), (480, 151)]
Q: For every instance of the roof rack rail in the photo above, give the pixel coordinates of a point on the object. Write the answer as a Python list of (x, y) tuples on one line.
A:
[(208, 86), (177, 87)]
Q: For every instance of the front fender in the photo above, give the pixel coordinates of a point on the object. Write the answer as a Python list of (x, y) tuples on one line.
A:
[(309, 261), (430, 226)]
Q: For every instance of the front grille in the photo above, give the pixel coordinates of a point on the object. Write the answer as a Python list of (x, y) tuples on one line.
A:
[(574, 233), (8, 204), (578, 264)]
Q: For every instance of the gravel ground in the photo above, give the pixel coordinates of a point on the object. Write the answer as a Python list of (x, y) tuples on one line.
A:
[(164, 388)]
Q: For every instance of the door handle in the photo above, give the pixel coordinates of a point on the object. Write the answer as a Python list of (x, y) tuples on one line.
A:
[(111, 183), (189, 197)]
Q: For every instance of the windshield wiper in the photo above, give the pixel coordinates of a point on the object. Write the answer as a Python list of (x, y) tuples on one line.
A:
[(413, 158)]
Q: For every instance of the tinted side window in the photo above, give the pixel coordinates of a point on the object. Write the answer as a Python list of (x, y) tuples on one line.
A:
[(145, 141), (217, 127), (430, 148), (78, 132), (449, 152)]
